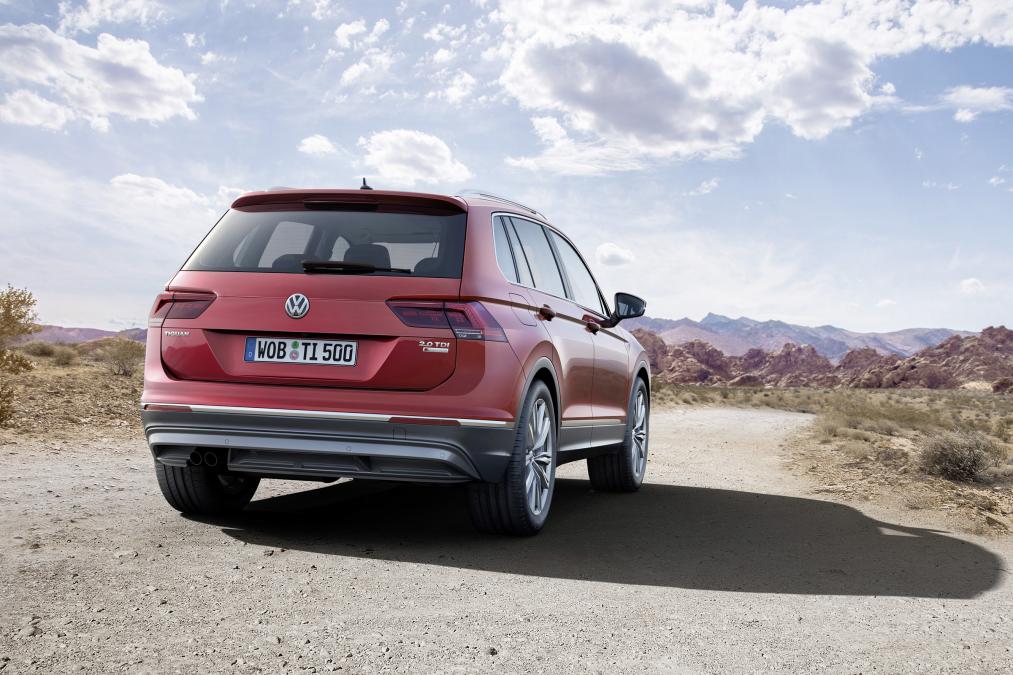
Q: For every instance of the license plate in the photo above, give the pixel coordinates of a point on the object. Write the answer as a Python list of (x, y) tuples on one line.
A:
[(318, 352)]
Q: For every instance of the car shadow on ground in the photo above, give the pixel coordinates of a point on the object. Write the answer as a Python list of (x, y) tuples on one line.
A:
[(664, 535)]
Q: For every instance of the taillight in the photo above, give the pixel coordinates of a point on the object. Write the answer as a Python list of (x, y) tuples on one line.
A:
[(179, 305), (420, 314), (468, 320)]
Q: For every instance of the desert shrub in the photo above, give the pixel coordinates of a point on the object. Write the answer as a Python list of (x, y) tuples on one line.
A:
[(64, 356), (38, 348), (1004, 429), (960, 455), (1003, 385), (17, 319), (6, 403), (121, 356)]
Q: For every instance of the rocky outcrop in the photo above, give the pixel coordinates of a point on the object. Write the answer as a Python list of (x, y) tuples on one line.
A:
[(986, 357)]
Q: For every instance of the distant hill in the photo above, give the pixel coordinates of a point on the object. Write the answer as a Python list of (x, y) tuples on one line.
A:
[(737, 336), (984, 358), (64, 335)]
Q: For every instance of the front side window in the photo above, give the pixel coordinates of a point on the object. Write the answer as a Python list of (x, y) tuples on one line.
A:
[(585, 291), (279, 241), (539, 257)]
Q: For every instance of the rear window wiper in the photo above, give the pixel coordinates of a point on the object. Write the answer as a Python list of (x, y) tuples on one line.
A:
[(340, 267)]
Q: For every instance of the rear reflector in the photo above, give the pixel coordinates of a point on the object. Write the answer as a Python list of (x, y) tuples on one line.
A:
[(468, 320), (167, 407)]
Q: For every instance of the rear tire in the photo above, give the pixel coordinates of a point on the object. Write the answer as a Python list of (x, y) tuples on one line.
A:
[(519, 504), (624, 469), (200, 491)]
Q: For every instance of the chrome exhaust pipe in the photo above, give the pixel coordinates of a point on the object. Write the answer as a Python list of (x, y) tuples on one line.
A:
[(196, 459), (210, 459)]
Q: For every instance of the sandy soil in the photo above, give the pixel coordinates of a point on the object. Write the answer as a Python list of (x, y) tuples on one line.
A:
[(725, 561)]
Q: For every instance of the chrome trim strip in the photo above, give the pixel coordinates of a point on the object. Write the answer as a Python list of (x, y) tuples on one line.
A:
[(593, 422), (327, 414)]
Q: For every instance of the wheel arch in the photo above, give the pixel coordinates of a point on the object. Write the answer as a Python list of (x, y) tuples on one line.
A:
[(643, 372), (542, 370)]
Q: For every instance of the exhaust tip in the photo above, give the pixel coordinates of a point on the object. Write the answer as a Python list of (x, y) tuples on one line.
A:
[(210, 459), (196, 459)]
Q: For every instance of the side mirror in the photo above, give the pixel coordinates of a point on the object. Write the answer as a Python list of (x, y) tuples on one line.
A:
[(627, 307)]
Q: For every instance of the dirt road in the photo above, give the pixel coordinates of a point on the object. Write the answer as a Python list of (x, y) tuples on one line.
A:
[(724, 562)]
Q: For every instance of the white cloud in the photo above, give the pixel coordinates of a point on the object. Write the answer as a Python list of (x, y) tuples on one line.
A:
[(972, 286), (885, 302), (116, 77), (919, 154), (84, 18), (996, 181), (372, 67), (27, 108), (566, 155), (379, 28), (457, 87), (443, 55), (613, 255), (317, 145), (405, 157), (704, 188), (193, 39), (702, 79), (972, 101), (442, 32), (344, 33), (88, 223)]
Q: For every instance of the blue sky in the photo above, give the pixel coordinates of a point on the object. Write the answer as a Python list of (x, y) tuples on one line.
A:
[(826, 162)]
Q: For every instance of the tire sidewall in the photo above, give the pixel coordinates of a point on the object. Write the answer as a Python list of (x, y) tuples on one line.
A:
[(537, 391), (628, 445)]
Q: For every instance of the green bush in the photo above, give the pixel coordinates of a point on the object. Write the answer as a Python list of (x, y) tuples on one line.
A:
[(960, 455)]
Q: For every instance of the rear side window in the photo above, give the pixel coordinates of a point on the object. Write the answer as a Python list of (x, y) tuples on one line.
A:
[(540, 257), (279, 241), (504, 256), (585, 291)]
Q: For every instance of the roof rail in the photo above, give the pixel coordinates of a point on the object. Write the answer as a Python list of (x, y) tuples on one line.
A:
[(498, 198)]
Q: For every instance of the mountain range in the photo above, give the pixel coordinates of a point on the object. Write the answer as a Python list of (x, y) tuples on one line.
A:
[(982, 360), (735, 337), (65, 335)]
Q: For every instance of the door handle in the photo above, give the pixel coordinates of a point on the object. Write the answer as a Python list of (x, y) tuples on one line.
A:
[(546, 312), (592, 325)]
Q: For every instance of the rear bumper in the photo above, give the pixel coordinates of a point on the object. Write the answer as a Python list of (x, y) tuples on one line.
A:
[(322, 445)]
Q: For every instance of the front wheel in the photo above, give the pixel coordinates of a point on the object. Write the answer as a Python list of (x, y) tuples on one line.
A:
[(519, 504), (623, 470)]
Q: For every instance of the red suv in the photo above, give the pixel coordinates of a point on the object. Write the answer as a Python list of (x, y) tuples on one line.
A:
[(325, 334)]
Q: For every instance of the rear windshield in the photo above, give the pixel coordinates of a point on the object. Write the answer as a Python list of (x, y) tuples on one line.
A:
[(279, 241)]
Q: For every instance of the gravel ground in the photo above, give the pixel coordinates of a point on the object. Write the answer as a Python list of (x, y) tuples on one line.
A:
[(724, 562)]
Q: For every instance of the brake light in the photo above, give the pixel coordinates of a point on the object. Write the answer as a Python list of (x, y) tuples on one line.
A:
[(179, 305), (468, 320)]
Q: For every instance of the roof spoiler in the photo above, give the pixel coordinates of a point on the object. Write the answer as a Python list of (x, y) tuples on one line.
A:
[(351, 200)]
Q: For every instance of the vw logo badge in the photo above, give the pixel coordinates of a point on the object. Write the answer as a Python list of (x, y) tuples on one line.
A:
[(297, 305)]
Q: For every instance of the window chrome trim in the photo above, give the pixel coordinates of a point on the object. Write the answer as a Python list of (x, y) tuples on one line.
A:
[(330, 415)]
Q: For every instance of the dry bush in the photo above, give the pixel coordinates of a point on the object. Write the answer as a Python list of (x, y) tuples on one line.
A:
[(38, 348), (121, 356), (6, 403), (64, 356), (960, 455), (17, 319)]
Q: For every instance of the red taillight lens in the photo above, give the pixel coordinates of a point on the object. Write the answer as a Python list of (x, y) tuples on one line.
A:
[(179, 305), (468, 320), (420, 314), (189, 305), (472, 321)]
